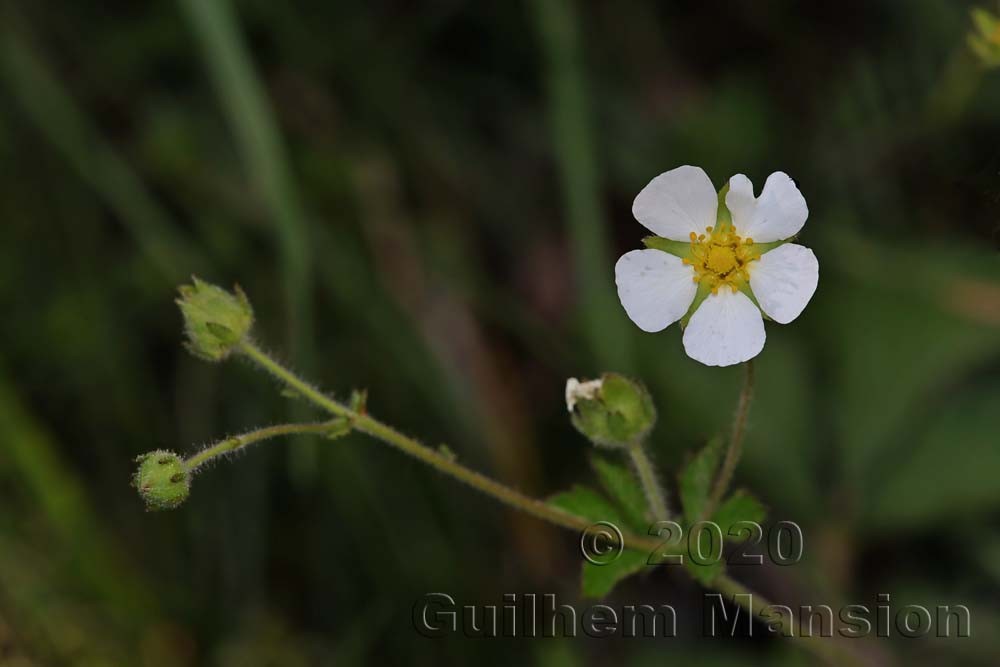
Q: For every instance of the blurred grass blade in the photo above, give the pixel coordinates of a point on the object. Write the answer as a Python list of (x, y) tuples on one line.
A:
[(30, 454), (63, 124), (571, 126), (260, 144)]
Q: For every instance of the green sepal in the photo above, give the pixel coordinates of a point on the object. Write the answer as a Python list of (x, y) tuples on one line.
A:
[(768, 247), (680, 249), (621, 412), (745, 288), (699, 297), (723, 218)]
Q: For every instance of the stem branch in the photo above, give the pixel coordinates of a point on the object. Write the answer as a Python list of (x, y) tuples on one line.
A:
[(441, 462), (757, 605), (235, 442), (831, 653)]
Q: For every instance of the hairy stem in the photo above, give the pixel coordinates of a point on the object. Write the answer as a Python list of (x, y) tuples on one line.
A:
[(658, 506), (735, 448), (757, 605), (438, 460), (363, 422), (235, 442)]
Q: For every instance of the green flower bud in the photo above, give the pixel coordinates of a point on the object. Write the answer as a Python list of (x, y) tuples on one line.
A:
[(613, 411), (162, 479), (984, 38), (215, 320)]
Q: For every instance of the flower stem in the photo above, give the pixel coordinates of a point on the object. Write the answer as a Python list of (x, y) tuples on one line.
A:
[(658, 506), (236, 442), (756, 604), (442, 462), (361, 421), (735, 442)]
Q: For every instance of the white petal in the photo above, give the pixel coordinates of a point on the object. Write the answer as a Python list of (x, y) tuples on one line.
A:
[(580, 391), (726, 329), (783, 280), (776, 215), (677, 202), (655, 288)]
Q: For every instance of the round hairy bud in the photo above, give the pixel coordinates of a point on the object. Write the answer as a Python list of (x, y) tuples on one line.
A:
[(162, 479)]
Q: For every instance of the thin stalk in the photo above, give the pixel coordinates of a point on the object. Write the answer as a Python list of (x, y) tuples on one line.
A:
[(440, 461), (365, 423), (236, 442), (735, 448), (757, 605), (658, 506)]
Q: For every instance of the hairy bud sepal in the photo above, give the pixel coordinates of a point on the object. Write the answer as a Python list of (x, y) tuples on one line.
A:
[(614, 411), (162, 479), (215, 320)]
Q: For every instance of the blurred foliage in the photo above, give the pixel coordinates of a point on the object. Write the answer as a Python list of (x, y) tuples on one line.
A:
[(426, 199)]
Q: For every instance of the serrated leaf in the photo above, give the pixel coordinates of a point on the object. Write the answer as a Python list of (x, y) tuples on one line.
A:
[(587, 503), (598, 580), (623, 488), (740, 506), (696, 479)]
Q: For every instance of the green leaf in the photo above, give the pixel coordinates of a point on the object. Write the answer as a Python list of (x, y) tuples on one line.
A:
[(696, 479), (587, 503), (622, 486), (598, 580), (740, 506)]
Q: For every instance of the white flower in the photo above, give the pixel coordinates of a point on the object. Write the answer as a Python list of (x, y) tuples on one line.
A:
[(716, 268), (580, 391)]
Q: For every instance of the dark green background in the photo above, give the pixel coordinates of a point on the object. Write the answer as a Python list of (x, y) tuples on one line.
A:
[(426, 200)]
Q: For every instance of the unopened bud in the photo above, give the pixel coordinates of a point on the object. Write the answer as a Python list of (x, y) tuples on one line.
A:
[(162, 479), (215, 320), (984, 38), (613, 411)]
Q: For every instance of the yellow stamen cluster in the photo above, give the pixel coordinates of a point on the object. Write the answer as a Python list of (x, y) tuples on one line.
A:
[(720, 257)]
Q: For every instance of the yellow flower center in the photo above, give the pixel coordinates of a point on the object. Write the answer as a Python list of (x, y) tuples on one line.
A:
[(721, 257)]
